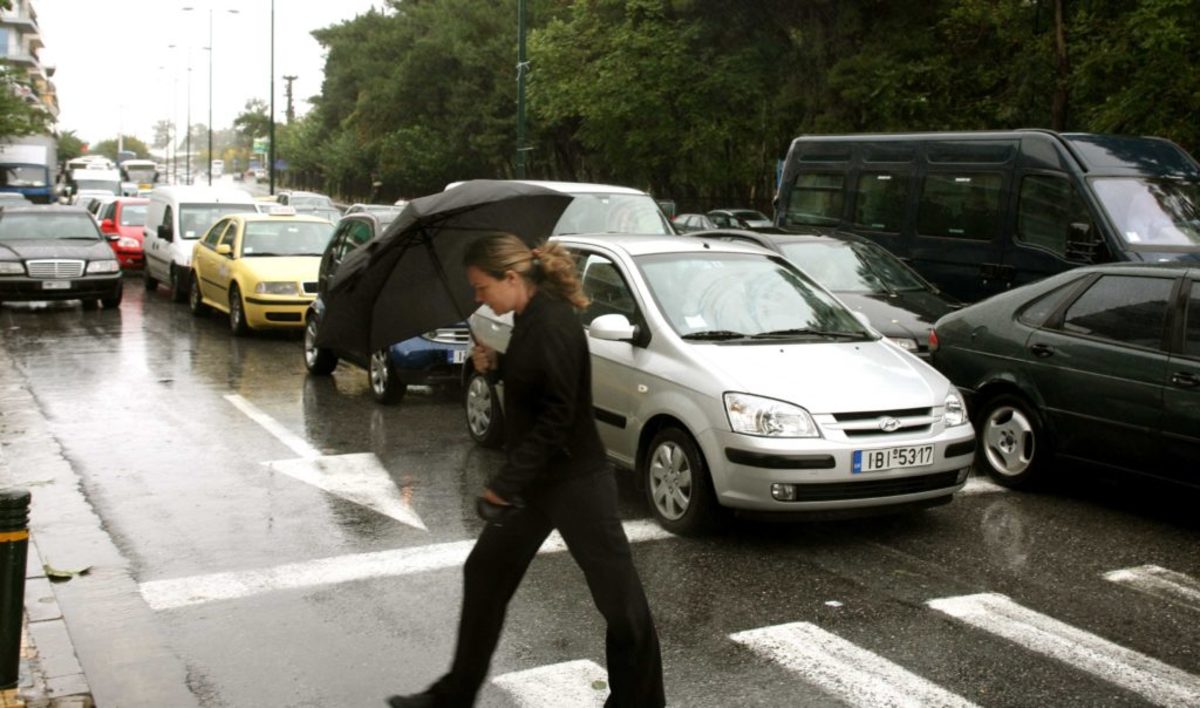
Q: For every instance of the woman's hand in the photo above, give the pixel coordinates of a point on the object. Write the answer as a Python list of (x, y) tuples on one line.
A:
[(490, 497), (484, 358)]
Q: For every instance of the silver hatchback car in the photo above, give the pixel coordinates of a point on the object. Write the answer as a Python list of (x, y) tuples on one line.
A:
[(725, 377)]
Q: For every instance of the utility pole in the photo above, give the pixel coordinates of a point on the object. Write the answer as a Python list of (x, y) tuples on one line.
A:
[(291, 114), (271, 136), (522, 68)]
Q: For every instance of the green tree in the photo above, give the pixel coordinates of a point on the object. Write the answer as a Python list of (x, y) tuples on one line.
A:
[(69, 146), (108, 148), (16, 116)]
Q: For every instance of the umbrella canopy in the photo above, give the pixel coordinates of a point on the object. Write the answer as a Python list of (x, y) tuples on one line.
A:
[(410, 279)]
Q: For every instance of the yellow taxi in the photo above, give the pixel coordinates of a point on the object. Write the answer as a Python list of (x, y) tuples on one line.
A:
[(261, 269)]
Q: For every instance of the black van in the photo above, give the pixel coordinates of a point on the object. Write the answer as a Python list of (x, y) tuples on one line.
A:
[(980, 212)]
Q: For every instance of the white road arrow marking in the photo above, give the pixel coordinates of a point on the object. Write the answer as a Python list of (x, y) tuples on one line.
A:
[(1153, 680), (843, 669), (580, 683), (359, 478), (1160, 582)]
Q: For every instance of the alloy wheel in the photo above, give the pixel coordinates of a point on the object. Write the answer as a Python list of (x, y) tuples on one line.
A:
[(1009, 440), (670, 480)]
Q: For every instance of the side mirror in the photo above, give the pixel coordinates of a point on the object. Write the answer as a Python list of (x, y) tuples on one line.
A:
[(612, 328), (107, 226), (164, 232), (224, 249)]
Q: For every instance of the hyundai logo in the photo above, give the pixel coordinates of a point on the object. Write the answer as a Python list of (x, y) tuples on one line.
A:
[(888, 424)]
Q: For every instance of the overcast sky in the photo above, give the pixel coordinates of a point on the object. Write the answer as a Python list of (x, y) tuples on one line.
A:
[(116, 72)]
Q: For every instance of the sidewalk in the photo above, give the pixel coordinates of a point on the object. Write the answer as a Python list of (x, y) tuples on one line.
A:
[(50, 674)]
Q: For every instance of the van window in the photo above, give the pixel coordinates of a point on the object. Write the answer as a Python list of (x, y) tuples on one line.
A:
[(881, 200), (990, 151), (960, 205), (1126, 309), (194, 219), (1047, 208), (815, 200)]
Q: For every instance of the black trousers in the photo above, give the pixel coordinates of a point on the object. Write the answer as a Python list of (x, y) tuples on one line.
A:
[(584, 511)]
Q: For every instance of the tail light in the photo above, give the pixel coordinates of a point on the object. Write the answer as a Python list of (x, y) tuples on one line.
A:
[(933, 340)]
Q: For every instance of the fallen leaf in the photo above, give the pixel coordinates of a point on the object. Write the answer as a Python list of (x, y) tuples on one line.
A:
[(59, 575), (599, 685)]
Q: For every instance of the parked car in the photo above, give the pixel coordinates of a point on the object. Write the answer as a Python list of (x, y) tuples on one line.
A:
[(687, 223), (900, 304), (56, 253), (261, 269), (726, 377), (1099, 364), (739, 218), (386, 213), (123, 223), (14, 199), (306, 201), (433, 358)]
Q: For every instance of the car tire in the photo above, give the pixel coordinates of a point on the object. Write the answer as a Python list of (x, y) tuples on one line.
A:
[(385, 386), (318, 360), (195, 299), (112, 303), (178, 293), (1013, 445), (237, 313), (485, 419), (150, 283), (678, 487)]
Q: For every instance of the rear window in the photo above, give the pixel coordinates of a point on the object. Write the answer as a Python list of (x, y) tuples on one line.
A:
[(816, 200), (133, 215), (47, 226)]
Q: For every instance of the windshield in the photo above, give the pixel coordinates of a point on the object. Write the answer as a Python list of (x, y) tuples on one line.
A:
[(851, 268), (285, 238), (732, 295), (140, 174), (750, 215), (47, 226), (133, 215), (612, 214), (1150, 212), (195, 219), (24, 176)]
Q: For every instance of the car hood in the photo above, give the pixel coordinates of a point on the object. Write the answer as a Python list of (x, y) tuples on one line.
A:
[(907, 314), (27, 249), (283, 268), (825, 377)]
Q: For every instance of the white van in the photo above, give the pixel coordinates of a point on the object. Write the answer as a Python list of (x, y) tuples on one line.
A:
[(175, 218)]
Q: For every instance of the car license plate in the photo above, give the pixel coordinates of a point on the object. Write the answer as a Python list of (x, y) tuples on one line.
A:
[(458, 356), (56, 285), (892, 458)]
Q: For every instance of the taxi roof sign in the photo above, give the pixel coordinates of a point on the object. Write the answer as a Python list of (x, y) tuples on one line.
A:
[(282, 210)]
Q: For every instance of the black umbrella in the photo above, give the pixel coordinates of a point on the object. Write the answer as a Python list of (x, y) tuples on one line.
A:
[(410, 279)]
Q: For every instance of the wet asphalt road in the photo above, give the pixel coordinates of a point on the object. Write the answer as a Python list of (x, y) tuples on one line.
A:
[(136, 421)]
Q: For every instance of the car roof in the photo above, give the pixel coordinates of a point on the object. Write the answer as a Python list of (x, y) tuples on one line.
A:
[(252, 216), (1172, 267), (197, 193), (572, 187), (781, 236), (642, 245), (42, 209)]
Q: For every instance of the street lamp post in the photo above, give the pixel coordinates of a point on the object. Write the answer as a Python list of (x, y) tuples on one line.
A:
[(210, 85), (271, 129)]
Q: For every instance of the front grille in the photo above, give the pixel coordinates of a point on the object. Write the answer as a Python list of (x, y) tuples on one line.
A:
[(836, 491), (902, 421), (449, 335), (54, 269), (868, 415), (310, 286), (851, 433)]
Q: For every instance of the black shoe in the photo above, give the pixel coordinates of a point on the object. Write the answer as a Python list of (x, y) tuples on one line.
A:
[(416, 700)]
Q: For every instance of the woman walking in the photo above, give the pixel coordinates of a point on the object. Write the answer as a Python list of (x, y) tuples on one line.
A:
[(556, 477)]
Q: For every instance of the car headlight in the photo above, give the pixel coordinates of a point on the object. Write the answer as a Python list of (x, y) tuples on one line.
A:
[(755, 415), (956, 412), (127, 242), (104, 267), (908, 345), (12, 268), (276, 288)]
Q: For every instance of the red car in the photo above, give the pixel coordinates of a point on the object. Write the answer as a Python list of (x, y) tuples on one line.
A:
[(121, 222)]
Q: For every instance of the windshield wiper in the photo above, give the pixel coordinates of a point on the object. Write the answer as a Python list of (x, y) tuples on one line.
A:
[(714, 335), (805, 331)]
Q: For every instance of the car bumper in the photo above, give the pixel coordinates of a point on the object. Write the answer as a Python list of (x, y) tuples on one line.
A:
[(820, 471), (130, 259), (277, 312), (25, 289), (420, 361)]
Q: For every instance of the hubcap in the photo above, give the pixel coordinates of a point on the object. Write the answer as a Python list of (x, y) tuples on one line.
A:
[(1008, 439), (310, 341), (670, 480), (479, 407), (379, 372)]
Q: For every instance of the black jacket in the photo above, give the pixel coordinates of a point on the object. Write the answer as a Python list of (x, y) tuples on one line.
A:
[(549, 425)]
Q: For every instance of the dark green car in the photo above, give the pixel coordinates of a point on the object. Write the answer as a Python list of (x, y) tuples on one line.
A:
[(1099, 364)]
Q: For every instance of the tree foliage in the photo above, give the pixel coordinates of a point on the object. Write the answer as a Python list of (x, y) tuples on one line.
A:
[(698, 99), (108, 148)]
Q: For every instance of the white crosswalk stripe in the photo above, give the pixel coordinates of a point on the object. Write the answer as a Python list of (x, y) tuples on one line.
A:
[(1159, 582), (578, 684), (853, 674), (981, 485), (1153, 680)]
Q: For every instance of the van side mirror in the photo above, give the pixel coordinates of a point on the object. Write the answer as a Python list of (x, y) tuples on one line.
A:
[(1082, 244), (164, 232), (612, 328)]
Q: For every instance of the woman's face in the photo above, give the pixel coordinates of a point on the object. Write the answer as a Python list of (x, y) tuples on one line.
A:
[(503, 295)]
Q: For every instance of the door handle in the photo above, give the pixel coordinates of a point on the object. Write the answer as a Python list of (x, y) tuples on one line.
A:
[(1183, 379), (1042, 351)]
